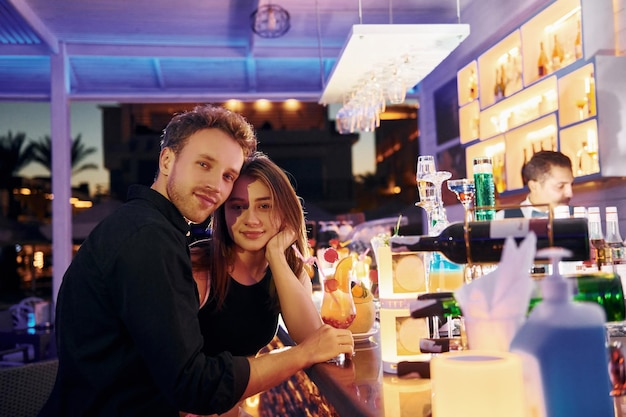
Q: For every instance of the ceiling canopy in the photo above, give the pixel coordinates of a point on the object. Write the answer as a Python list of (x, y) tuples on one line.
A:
[(185, 50)]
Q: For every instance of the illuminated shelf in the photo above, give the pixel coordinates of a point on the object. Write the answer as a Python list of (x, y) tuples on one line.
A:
[(533, 102), (577, 107)]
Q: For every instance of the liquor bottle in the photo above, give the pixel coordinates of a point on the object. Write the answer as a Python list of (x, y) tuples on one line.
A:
[(600, 253), (542, 62), (578, 44), (504, 80), (524, 166), (484, 193), (590, 90), (472, 85), (482, 241), (602, 288), (557, 54), (613, 237), (499, 173), (498, 93)]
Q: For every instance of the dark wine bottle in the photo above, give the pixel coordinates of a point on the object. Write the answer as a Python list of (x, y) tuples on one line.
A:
[(602, 288), (483, 241)]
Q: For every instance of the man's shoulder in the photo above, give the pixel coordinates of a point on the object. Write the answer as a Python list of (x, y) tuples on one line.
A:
[(509, 213)]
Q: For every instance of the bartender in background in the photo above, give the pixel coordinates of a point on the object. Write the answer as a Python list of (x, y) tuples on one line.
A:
[(549, 177)]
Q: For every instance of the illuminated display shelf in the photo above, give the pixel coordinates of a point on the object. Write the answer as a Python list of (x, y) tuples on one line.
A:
[(577, 107)]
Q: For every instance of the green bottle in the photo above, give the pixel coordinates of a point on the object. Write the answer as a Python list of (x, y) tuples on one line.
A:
[(433, 304), (603, 288)]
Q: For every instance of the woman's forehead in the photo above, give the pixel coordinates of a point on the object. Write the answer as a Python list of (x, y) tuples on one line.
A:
[(247, 187)]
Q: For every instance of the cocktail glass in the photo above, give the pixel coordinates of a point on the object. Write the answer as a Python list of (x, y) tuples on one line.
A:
[(425, 166), (464, 190), (428, 200), (433, 203), (338, 309), (440, 220)]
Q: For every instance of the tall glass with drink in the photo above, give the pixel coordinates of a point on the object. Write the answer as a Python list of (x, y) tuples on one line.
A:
[(484, 188)]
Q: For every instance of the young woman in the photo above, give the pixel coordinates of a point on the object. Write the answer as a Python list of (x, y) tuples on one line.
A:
[(248, 272)]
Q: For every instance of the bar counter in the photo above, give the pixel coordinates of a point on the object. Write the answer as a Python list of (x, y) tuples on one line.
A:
[(361, 388)]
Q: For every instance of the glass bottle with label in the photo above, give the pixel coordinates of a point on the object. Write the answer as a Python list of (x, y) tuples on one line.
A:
[(590, 92), (604, 289), (542, 63), (600, 254), (482, 241), (472, 85), (498, 93), (613, 237), (557, 54), (578, 44)]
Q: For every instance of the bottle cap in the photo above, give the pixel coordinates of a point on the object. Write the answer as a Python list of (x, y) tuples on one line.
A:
[(580, 212), (611, 214), (561, 212), (483, 165), (482, 160), (593, 214)]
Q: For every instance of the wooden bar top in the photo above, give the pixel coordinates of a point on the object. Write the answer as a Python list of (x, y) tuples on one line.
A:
[(361, 388)]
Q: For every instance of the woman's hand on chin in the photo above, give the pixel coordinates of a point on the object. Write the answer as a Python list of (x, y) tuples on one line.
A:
[(280, 242)]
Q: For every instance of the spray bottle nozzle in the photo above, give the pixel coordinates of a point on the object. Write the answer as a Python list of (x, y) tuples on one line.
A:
[(554, 286)]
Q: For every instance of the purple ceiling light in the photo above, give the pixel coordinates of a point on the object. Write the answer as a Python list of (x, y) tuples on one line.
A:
[(270, 21)]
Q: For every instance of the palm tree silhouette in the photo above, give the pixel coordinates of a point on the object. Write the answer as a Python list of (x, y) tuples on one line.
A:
[(42, 153), (15, 154)]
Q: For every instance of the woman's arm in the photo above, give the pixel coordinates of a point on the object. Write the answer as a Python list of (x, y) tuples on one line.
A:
[(297, 308), (323, 344)]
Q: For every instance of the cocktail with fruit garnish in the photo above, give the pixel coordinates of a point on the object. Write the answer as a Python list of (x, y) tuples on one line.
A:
[(464, 190), (338, 308)]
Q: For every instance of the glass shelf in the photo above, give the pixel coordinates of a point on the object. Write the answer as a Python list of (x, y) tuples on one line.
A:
[(561, 21), (534, 102), (469, 121), (577, 96), (523, 142), (467, 84), (502, 64), (580, 143), (577, 107)]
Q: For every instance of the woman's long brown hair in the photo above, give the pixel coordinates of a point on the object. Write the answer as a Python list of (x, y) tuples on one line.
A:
[(288, 208)]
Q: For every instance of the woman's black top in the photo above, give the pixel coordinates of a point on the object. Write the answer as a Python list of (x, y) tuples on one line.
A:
[(246, 322)]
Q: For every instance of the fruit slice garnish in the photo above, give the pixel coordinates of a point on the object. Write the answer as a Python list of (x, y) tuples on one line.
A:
[(331, 285), (331, 255), (342, 272), (358, 291)]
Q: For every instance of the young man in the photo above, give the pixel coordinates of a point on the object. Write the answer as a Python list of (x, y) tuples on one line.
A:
[(128, 337), (549, 176)]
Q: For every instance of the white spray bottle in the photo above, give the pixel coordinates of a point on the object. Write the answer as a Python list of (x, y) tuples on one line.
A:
[(563, 348)]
